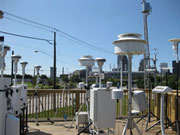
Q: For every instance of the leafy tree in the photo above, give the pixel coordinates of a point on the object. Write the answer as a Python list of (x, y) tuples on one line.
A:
[(65, 78), (28, 76), (75, 79), (44, 76)]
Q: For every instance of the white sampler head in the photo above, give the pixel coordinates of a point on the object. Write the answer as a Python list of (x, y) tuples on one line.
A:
[(100, 61), (37, 67), (15, 59), (87, 61), (129, 44), (23, 64)]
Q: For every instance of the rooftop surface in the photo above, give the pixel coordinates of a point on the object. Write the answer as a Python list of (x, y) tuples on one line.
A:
[(62, 128)]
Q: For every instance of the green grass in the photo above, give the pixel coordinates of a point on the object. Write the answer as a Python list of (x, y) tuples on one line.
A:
[(59, 113)]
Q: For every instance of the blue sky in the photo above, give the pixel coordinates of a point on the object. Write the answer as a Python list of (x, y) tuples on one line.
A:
[(97, 22)]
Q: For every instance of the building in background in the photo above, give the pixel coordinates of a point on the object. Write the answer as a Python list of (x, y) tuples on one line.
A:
[(124, 62), (141, 65), (163, 65), (174, 66)]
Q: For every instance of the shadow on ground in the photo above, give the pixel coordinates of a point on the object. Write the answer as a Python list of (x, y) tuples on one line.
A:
[(38, 133)]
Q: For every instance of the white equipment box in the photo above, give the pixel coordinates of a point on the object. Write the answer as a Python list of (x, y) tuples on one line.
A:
[(23, 95), (162, 89), (117, 93), (16, 99), (4, 84), (102, 108), (139, 101), (81, 118), (12, 125)]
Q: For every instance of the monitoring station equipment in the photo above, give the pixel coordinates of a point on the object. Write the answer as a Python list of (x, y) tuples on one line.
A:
[(102, 107), (96, 76), (24, 87), (100, 62), (139, 102), (37, 68), (175, 42), (162, 90), (86, 61), (130, 44), (3, 53), (149, 113), (81, 85), (16, 102), (19, 98), (10, 102), (84, 117), (5, 92)]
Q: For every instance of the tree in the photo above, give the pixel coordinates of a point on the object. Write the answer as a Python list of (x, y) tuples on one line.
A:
[(75, 79), (44, 76), (28, 76), (64, 78)]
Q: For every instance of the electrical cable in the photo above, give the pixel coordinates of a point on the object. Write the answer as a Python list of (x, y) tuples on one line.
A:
[(84, 45), (83, 42), (28, 20), (72, 38), (25, 46), (27, 24), (17, 35)]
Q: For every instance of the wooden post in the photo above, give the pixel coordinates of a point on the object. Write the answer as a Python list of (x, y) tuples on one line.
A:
[(77, 101), (157, 105), (173, 107)]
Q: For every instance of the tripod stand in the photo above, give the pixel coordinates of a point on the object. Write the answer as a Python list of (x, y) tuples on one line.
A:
[(87, 106), (37, 67), (61, 99), (149, 114), (166, 118)]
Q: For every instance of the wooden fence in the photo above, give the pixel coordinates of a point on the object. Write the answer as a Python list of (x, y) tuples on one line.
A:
[(56, 104)]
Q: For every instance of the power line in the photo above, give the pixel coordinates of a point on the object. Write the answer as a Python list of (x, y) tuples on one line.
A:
[(17, 35), (24, 45), (28, 20), (27, 24), (86, 43), (66, 35)]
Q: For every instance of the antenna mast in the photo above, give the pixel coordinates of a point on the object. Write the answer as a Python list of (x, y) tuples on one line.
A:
[(146, 10)]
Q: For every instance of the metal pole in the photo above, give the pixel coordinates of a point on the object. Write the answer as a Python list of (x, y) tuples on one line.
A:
[(121, 74), (12, 75), (87, 75), (166, 97), (34, 78), (121, 88), (177, 112), (36, 98), (22, 79), (54, 77), (154, 61), (100, 69), (129, 92), (147, 53), (162, 114)]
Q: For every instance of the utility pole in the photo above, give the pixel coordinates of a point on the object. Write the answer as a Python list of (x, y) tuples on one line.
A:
[(54, 77)]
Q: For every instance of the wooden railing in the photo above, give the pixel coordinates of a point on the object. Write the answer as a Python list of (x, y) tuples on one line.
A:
[(56, 104)]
